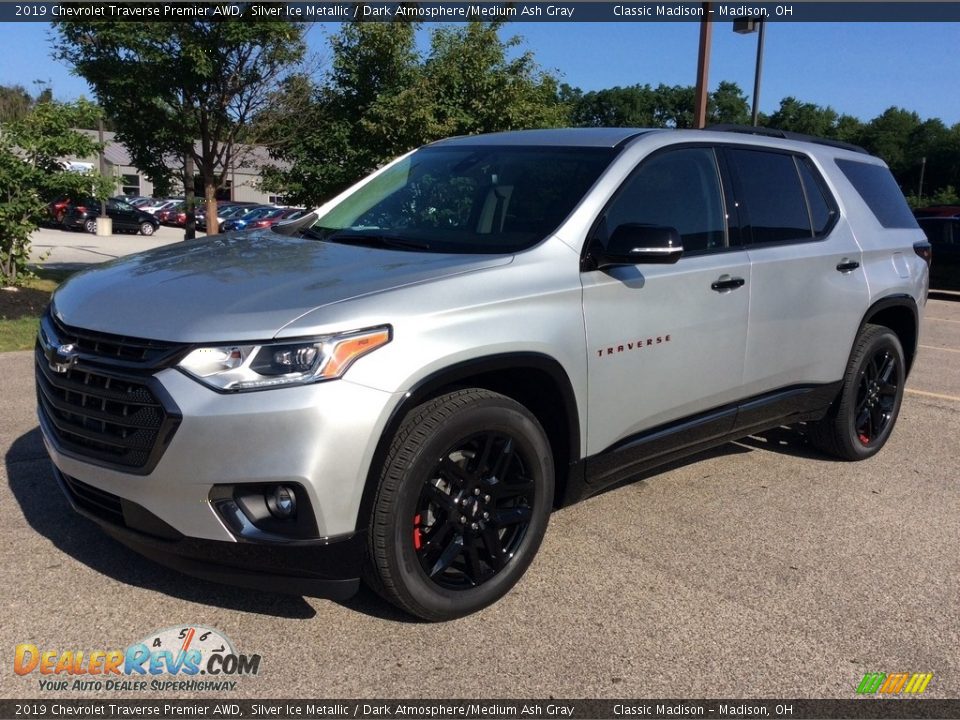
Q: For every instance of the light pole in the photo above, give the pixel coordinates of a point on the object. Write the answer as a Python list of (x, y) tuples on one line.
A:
[(745, 27)]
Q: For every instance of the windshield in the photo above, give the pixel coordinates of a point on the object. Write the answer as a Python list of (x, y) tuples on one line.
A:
[(481, 199)]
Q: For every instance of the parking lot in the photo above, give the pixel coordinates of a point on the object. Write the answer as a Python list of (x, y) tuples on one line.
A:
[(58, 247), (759, 569)]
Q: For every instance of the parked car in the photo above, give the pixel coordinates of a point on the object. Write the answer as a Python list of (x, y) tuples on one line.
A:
[(241, 220), (169, 215), (942, 227), (126, 218), (57, 208), (279, 215), (158, 205), (135, 200), (405, 387), (225, 209)]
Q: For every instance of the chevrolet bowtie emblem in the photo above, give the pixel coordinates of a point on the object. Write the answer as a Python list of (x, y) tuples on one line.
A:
[(62, 357)]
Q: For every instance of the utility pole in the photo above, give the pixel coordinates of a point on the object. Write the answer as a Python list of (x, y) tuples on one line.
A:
[(703, 68), (756, 77), (103, 163), (923, 167)]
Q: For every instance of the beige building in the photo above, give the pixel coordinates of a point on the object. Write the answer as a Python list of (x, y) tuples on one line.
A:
[(242, 181)]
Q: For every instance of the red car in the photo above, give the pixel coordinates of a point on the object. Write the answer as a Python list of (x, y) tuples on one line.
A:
[(58, 209), (273, 218)]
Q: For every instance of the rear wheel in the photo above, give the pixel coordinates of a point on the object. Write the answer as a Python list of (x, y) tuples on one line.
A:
[(863, 415), (146, 229), (463, 503)]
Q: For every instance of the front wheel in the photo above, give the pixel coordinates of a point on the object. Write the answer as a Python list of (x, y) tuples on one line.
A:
[(862, 417), (90, 226), (146, 228), (463, 503)]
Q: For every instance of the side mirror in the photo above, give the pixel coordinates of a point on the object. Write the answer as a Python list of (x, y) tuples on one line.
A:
[(633, 244)]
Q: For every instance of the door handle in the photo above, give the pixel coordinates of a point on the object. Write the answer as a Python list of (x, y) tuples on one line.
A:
[(725, 283), (846, 265)]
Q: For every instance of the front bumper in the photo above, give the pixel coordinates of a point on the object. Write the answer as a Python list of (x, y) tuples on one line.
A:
[(320, 438), (325, 567)]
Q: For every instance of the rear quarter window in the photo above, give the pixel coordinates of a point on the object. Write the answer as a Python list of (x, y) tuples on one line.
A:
[(880, 192)]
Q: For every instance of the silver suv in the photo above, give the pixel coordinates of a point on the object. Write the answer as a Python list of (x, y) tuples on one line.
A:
[(402, 385)]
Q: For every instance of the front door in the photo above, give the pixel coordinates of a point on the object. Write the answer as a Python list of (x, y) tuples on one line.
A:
[(666, 342)]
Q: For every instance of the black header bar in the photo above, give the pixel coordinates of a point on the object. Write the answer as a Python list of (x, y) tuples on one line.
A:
[(463, 11)]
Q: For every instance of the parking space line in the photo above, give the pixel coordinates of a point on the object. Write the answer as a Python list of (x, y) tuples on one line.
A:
[(939, 396), (934, 347), (942, 319)]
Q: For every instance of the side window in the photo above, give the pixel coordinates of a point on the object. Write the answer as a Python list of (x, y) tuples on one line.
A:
[(880, 192), (772, 200), (678, 189), (822, 207)]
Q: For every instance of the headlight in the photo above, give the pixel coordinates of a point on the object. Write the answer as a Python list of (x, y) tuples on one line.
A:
[(278, 364)]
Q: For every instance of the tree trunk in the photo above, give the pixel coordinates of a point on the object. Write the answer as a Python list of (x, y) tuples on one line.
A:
[(210, 194), (190, 227)]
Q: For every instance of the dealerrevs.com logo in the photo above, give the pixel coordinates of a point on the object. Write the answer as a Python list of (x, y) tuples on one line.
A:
[(894, 683), (190, 658)]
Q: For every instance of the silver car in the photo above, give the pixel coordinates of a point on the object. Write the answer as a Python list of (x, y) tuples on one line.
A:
[(404, 384)]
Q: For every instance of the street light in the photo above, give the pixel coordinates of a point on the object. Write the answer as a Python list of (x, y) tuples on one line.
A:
[(745, 27)]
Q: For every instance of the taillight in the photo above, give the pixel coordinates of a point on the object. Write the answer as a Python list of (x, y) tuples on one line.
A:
[(80, 208), (924, 250)]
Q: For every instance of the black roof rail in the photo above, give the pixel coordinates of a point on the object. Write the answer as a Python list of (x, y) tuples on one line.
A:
[(785, 135)]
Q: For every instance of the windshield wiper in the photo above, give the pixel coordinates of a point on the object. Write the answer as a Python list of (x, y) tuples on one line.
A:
[(372, 239)]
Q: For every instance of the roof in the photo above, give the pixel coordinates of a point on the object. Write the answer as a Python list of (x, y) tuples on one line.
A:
[(615, 137), (561, 137)]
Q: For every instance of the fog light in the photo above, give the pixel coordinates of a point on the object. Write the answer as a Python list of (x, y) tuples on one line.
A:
[(282, 502)]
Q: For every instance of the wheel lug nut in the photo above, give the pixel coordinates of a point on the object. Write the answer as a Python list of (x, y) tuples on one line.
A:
[(486, 516), (476, 491), (463, 519), (473, 526), (486, 498)]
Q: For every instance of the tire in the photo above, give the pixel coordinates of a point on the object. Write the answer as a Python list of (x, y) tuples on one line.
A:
[(90, 226), (146, 228), (862, 417), (468, 481)]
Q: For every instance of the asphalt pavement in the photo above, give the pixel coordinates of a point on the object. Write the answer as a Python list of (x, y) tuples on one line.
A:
[(58, 247), (760, 569)]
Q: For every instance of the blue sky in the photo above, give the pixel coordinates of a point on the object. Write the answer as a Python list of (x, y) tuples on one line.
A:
[(856, 68)]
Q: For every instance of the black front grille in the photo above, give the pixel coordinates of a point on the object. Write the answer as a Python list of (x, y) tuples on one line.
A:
[(98, 409)]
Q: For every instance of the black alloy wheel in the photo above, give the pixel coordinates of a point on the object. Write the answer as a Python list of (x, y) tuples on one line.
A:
[(473, 511), (862, 417), (463, 502), (877, 396)]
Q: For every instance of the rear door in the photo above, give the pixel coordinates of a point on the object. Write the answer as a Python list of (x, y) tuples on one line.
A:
[(665, 342), (808, 289)]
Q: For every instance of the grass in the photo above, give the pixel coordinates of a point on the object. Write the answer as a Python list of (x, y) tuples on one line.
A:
[(20, 309)]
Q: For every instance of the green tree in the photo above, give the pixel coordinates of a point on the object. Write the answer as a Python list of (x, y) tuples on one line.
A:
[(15, 103), (632, 106), (806, 118), (182, 90), (888, 135), (32, 151), (382, 98), (728, 104)]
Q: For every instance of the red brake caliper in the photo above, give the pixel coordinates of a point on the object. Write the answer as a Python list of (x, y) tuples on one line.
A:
[(864, 439), (417, 541)]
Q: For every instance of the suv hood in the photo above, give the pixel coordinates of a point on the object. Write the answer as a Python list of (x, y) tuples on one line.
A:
[(240, 287)]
